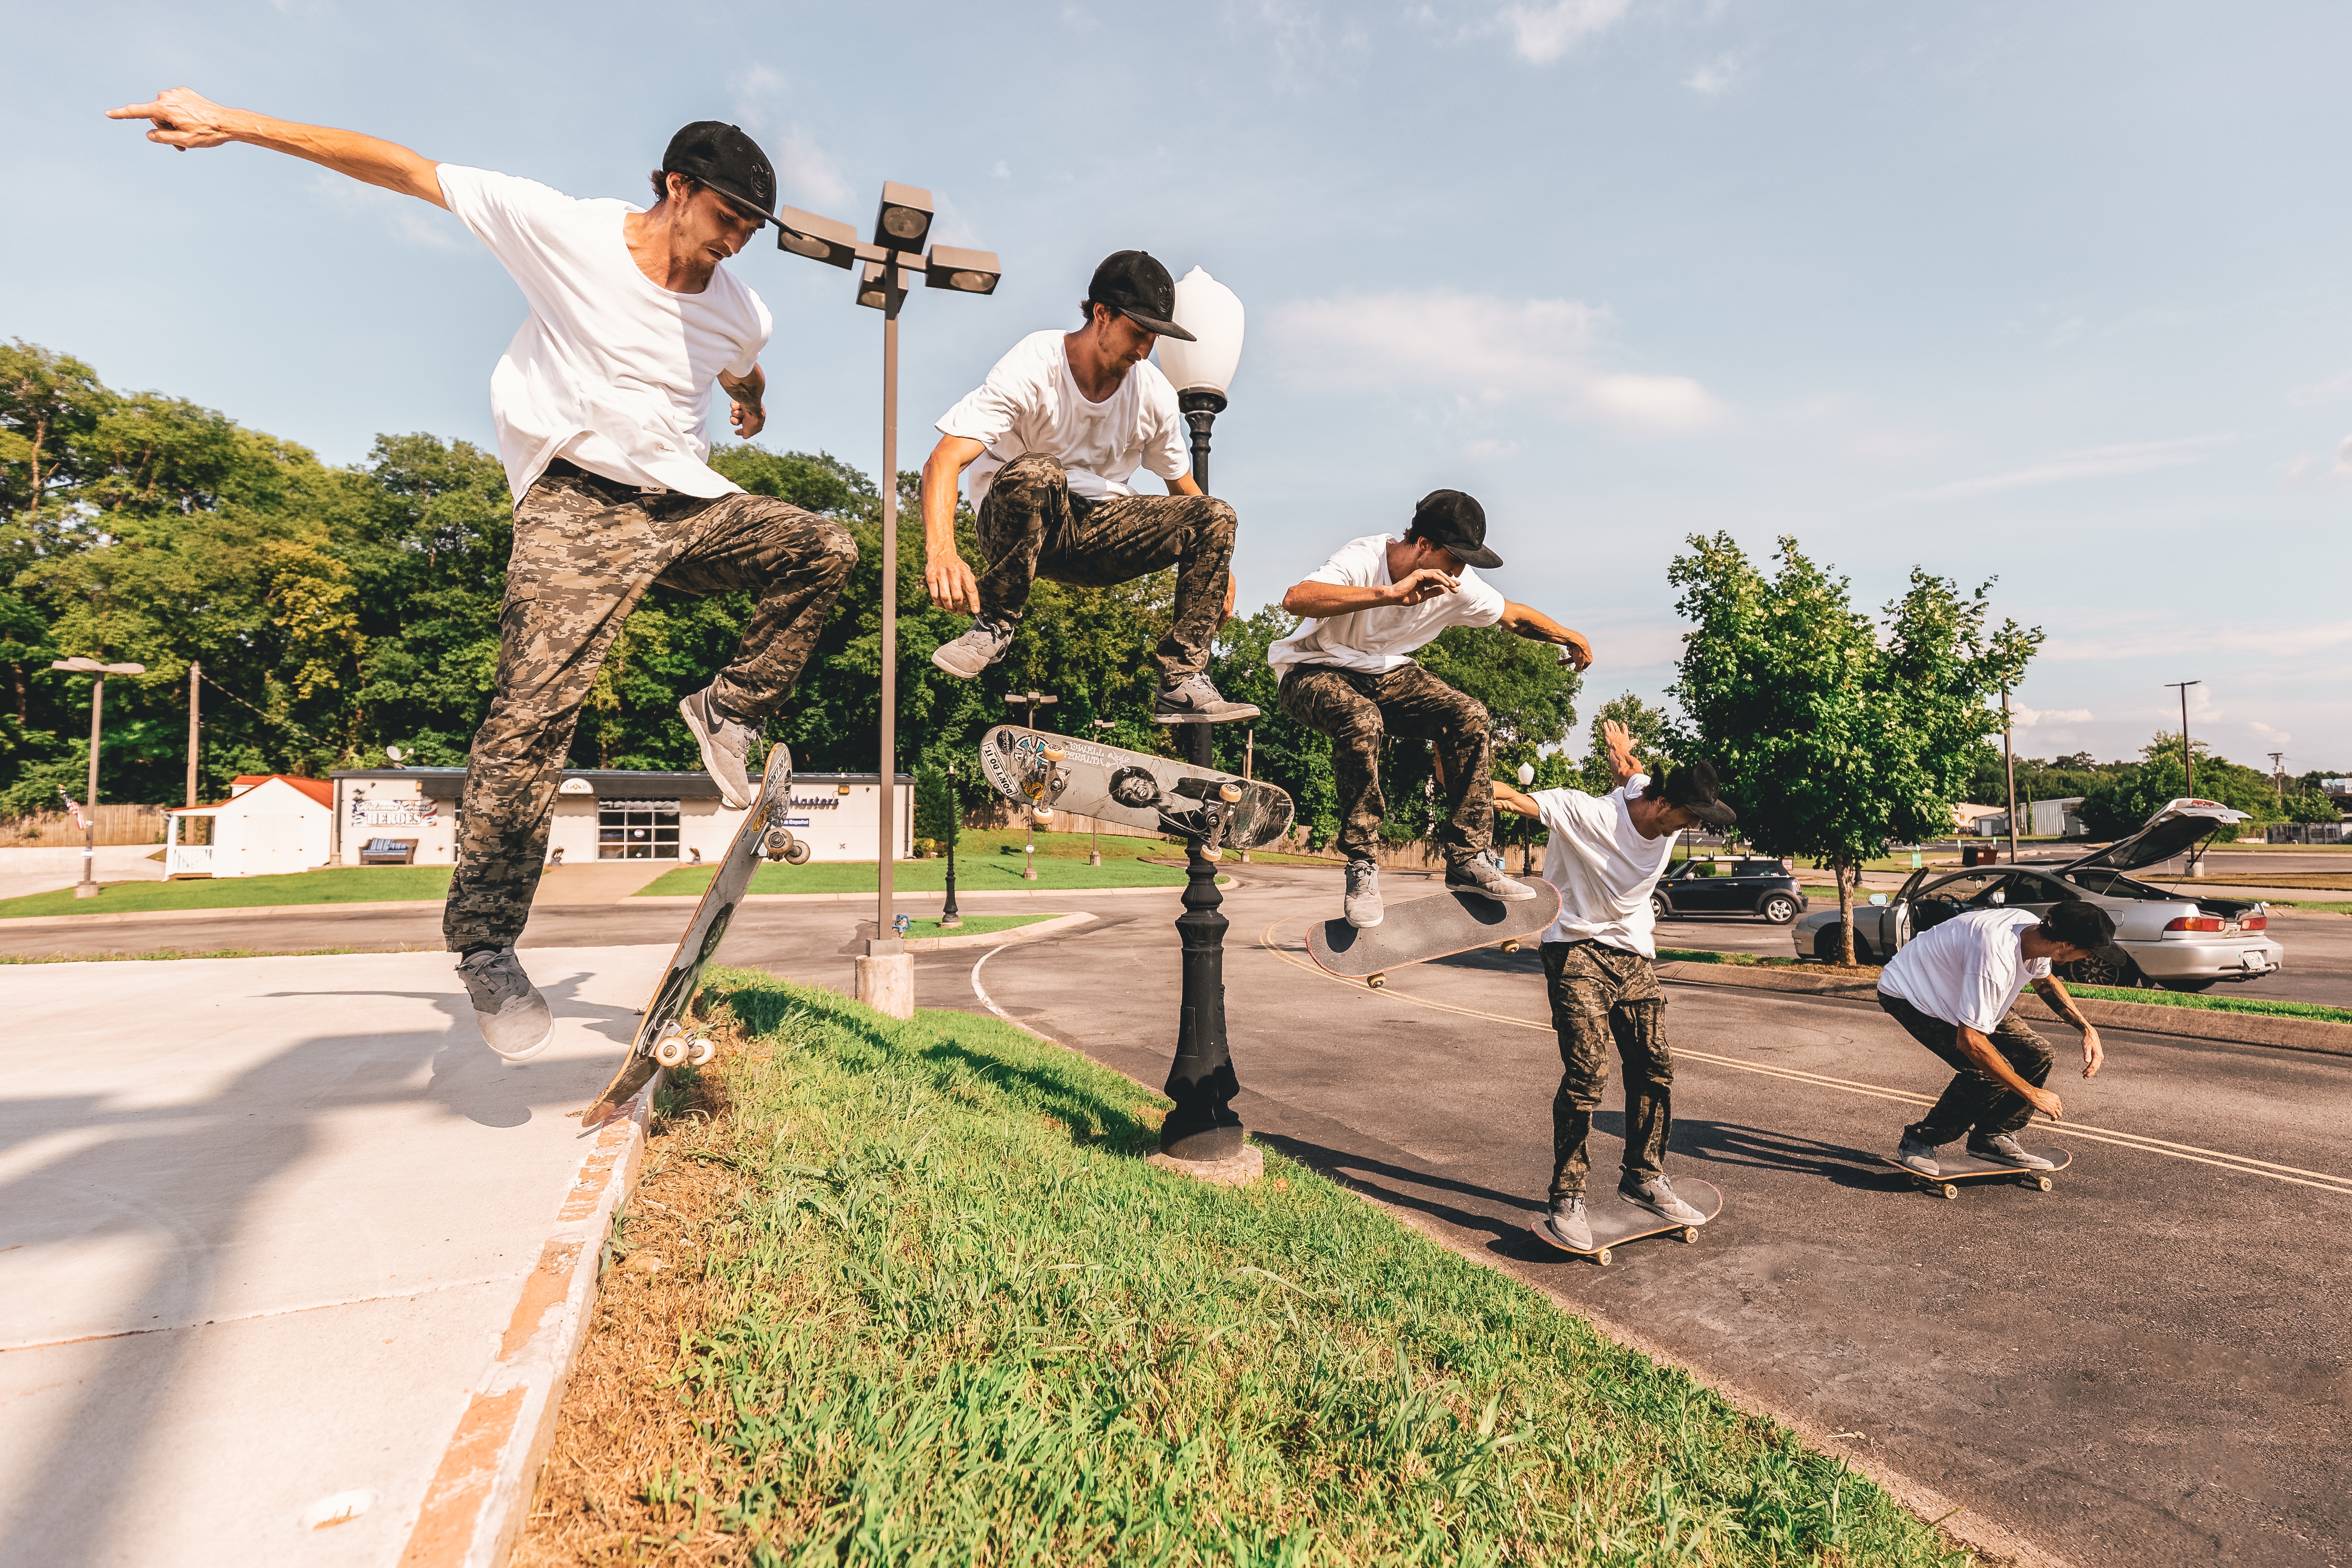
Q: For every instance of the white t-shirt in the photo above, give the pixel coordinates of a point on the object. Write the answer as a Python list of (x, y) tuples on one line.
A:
[(1031, 403), (1603, 868), (607, 370), (1967, 971), (1382, 638)]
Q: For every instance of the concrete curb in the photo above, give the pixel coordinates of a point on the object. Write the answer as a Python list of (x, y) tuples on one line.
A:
[(234, 912), (1225, 884), (999, 938), (2185, 1023), (480, 1495)]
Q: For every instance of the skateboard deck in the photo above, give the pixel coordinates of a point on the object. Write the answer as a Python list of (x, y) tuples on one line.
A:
[(1616, 1221), (662, 1039), (1965, 1167), (1437, 926), (1159, 794)]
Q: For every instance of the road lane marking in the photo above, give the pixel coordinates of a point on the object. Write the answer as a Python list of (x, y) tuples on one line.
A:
[(2244, 1165)]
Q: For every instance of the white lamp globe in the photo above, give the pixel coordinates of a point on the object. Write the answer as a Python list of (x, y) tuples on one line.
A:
[(1527, 775), (1211, 313)]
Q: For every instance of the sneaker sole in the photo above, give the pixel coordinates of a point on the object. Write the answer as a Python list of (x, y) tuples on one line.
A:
[(1695, 1217), (1239, 713), (960, 673), (1521, 897), (1995, 1157), (1366, 925), (522, 1056), (709, 764), (1546, 1232)]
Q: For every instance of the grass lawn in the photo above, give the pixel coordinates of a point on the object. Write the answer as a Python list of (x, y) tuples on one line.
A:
[(911, 1295), (974, 874), (2211, 1004), (1709, 955), (169, 954), (974, 925), (341, 885)]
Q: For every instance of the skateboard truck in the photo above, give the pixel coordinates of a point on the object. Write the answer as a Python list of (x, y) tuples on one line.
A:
[(675, 1050)]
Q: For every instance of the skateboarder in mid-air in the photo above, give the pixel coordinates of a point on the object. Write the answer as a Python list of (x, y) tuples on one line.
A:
[(1052, 439), (1954, 987), (599, 405), (1347, 670), (1599, 970)]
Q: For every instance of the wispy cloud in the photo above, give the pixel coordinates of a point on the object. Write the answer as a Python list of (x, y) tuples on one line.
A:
[(1481, 350), (413, 221), (1714, 77), (1078, 20), (2326, 391), (1542, 34), (2091, 463), (2024, 717), (2343, 468), (804, 171), (2152, 634), (1306, 48)]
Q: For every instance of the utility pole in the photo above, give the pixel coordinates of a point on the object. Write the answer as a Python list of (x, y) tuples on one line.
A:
[(88, 887), (2278, 775), (2008, 764), (2188, 760), (195, 674)]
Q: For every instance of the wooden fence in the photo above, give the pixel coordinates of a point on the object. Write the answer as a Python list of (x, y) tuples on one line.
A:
[(116, 824)]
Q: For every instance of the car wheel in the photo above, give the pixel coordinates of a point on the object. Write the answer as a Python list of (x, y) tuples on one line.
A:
[(2108, 966), (1779, 909), (1659, 908)]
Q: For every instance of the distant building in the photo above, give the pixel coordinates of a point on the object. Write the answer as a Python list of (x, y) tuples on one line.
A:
[(612, 815), (270, 824), (2054, 819), (1969, 819)]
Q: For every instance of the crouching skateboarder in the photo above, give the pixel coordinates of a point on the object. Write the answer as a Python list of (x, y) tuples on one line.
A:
[(1348, 672), (1599, 970), (599, 404), (1052, 439), (1954, 988)]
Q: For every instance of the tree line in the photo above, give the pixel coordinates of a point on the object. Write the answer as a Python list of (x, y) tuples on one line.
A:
[(337, 610)]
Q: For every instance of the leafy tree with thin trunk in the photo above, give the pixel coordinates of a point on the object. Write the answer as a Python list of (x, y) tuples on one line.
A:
[(1834, 735)]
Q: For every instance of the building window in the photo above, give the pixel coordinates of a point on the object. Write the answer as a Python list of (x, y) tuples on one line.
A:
[(636, 830)]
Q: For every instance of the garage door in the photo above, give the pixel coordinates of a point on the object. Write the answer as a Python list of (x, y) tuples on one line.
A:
[(272, 843)]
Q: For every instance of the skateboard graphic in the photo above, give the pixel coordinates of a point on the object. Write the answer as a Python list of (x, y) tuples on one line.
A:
[(1438, 926), (1616, 1220), (1965, 1167), (1160, 795), (662, 1040)]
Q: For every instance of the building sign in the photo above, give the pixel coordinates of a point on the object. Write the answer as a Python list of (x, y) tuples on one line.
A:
[(816, 802), (395, 813)]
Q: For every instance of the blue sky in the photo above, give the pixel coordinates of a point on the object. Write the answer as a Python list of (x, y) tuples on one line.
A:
[(2051, 294)]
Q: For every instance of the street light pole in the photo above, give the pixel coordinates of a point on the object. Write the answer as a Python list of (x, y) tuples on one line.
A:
[(1094, 824), (950, 917), (2188, 762), (195, 674), (887, 269), (1029, 817), (88, 887), (2009, 763)]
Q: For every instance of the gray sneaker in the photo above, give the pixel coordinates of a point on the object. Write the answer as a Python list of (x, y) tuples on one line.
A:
[(2004, 1149), (727, 746), (1362, 905), (1483, 875), (1566, 1226), (981, 646), (513, 1016), (1194, 700), (1657, 1194), (1914, 1155)]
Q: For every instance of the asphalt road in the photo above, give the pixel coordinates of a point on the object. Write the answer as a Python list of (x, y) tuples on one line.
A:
[(2147, 1366)]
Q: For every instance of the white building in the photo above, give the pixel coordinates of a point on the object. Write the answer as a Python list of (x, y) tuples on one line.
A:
[(614, 814), (2054, 819), (270, 824)]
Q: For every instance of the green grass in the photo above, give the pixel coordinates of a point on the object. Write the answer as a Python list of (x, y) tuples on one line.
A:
[(168, 954), (974, 874), (955, 1318), (974, 925), (341, 885), (2210, 1004), (1709, 955), (2309, 904)]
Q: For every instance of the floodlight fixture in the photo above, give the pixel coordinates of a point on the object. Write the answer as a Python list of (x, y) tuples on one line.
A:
[(904, 221), (966, 271), (80, 665), (818, 238)]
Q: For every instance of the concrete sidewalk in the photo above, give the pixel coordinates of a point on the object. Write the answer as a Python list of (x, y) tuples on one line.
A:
[(291, 1265)]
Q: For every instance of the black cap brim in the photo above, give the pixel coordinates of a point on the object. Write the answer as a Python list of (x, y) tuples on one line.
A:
[(1714, 813), (1155, 325), (1468, 554)]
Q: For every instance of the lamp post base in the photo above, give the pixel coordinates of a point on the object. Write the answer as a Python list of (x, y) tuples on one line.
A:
[(886, 982), (1237, 1170)]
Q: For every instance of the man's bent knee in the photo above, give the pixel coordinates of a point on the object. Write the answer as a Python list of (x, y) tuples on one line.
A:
[(836, 553), (1219, 519)]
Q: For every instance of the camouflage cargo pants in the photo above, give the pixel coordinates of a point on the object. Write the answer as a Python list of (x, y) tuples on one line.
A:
[(1359, 711), (1974, 1101), (1600, 995), (1032, 527), (585, 551)]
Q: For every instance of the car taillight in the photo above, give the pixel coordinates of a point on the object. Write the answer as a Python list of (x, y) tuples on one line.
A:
[(2255, 922), (2197, 922)]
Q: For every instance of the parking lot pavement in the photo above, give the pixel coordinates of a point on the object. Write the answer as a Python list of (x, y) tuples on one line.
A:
[(2145, 1367), (281, 1241)]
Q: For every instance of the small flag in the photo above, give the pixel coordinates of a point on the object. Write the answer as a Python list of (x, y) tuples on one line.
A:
[(75, 807)]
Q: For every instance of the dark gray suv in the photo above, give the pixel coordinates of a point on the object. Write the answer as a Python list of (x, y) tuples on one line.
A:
[(1744, 887)]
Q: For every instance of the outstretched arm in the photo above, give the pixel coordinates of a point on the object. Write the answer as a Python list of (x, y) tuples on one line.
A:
[(1319, 601), (1533, 623), (1511, 800), (183, 119), (1623, 764), (945, 572)]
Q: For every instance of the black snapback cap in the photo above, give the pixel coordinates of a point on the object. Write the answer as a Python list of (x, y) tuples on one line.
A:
[(1693, 787), (1133, 283), (721, 156), (1456, 524)]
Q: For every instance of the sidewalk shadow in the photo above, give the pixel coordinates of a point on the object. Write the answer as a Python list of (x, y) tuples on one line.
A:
[(1390, 1184), (1760, 1148)]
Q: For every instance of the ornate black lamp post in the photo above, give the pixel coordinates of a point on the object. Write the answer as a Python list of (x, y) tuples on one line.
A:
[(950, 918), (1203, 1126)]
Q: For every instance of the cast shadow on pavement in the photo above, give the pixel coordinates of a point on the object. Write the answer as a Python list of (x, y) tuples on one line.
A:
[(1760, 1148), (1496, 1214)]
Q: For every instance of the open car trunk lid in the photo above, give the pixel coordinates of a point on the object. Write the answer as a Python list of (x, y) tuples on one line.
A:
[(2176, 824)]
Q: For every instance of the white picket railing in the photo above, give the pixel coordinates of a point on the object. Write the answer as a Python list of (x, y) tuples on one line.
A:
[(188, 860)]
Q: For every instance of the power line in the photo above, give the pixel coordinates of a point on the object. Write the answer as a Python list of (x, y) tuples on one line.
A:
[(241, 702)]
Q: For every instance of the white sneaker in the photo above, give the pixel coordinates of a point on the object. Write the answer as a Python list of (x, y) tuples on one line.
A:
[(1566, 1226), (1657, 1194), (508, 1009), (1362, 903), (2004, 1149), (983, 644)]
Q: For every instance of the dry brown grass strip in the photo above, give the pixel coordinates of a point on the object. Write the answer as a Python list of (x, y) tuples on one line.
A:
[(622, 1429)]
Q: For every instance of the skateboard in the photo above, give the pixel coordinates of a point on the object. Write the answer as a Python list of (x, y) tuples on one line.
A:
[(1616, 1221), (662, 1040), (1965, 1167), (1419, 929), (1160, 795)]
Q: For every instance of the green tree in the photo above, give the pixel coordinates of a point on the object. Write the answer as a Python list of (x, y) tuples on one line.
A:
[(2135, 794), (1646, 724), (1835, 736)]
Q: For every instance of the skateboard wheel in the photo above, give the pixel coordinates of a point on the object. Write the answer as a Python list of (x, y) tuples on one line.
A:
[(1950, 1191), (2043, 1183), (1510, 944), (1053, 753), (1042, 813), (797, 854), (705, 1048), (1229, 793), (671, 1051), (1376, 981), (1690, 1233), (1602, 1257), (776, 844)]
